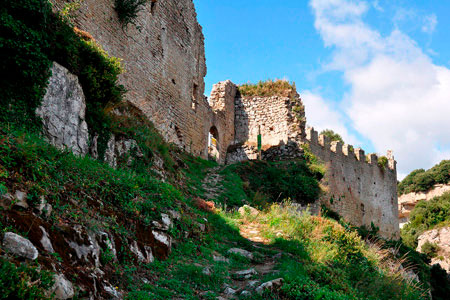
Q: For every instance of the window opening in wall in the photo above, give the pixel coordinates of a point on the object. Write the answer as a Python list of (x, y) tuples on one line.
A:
[(194, 97), (213, 143)]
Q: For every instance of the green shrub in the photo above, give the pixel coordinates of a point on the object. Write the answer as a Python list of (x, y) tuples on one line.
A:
[(430, 249), (421, 180), (425, 216), (23, 281), (383, 162), (32, 36), (127, 10), (278, 180)]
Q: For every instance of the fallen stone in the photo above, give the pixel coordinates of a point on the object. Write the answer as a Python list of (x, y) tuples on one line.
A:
[(6, 200), (19, 246), (45, 241), (21, 199), (247, 210), (62, 287), (241, 252), (174, 214), (270, 285), (44, 207), (219, 258), (244, 274), (166, 221), (229, 291), (207, 271), (114, 293), (246, 294), (252, 284)]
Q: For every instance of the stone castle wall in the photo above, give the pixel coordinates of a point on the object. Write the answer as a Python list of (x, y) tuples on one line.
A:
[(356, 186), (274, 118), (164, 59)]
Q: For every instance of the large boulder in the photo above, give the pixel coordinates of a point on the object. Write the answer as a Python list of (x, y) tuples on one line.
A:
[(62, 287), (20, 246), (63, 112), (441, 238)]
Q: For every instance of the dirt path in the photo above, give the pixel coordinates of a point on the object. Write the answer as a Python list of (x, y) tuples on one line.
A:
[(245, 281)]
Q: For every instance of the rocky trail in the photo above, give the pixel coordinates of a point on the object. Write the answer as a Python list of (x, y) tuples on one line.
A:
[(246, 282)]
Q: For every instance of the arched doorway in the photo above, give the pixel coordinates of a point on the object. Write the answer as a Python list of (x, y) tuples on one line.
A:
[(213, 143)]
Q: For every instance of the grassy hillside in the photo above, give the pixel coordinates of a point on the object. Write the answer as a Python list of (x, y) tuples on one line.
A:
[(122, 208), (318, 258)]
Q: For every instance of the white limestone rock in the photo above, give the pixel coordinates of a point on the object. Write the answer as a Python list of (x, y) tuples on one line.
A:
[(62, 287), (241, 252), (272, 285), (20, 246), (63, 112)]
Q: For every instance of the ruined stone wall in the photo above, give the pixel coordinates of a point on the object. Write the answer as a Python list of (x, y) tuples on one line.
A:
[(356, 186), (164, 59), (274, 116)]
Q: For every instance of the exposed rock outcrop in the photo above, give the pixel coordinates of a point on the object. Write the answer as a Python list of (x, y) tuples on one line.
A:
[(20, 246), (441, 238), (407, 202), (63, 112)]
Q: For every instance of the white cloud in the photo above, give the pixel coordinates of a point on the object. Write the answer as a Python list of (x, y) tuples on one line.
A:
[(398, 99), (429, 24), (322, 115)]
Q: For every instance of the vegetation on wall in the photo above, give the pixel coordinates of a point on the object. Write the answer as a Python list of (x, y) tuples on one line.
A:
[(420, 180), (32, 37), (333, 136), (127, 10), (268, 88)]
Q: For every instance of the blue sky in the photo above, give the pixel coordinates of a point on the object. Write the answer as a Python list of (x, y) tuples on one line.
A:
[(375, 71)]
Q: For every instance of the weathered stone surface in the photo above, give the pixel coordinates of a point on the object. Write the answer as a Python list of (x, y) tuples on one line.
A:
[(20, 246), (248, 210), (219, 258), (63, 112), (144, 255), (244, 274), (357, 187), (45, 241), (440, 237), (20, 199), (114, 293), (163, 244), (270, 285), (6, 200), (241, 252), (407, 202), (44, 207), (62, 287), (121, 148), (86, 246)]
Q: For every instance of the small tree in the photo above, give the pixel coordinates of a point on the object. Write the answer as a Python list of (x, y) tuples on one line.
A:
[(333, 136)]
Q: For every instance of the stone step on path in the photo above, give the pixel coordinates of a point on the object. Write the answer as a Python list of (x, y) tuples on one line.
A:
[(246, 282), (211, 184)]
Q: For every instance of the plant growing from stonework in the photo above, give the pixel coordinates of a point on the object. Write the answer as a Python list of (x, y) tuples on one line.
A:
[(127, 10), (383, 162)]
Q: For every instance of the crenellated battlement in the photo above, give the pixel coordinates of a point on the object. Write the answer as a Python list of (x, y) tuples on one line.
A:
[(314, 139)]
